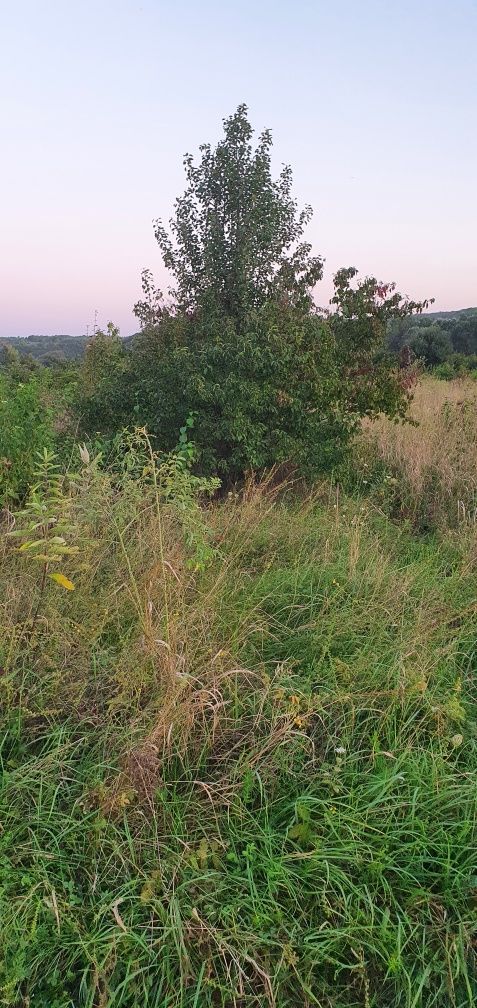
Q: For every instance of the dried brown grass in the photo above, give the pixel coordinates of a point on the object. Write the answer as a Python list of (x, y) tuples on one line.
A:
[(435, 457)]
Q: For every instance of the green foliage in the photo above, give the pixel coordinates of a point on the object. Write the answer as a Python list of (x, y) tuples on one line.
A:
[(445, 371), (430, 343), (287, 820), (35, 413), (26, 426), (16, 365), (288, 385), (43, 529), (236, 234), (438, 337), (176, 487), (457, 365), (51, 351), (268, 377), (104, 400)]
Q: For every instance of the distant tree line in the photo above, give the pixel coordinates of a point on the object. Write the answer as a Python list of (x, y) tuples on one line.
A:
[(47, 350), (436, 339)]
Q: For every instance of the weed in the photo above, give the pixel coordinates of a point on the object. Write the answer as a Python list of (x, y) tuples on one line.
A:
[(244, 782)]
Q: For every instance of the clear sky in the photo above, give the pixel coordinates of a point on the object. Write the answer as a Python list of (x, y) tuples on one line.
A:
[(373, 103)]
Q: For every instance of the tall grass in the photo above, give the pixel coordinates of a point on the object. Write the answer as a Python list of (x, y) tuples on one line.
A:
[(432, 464), (248, 784)]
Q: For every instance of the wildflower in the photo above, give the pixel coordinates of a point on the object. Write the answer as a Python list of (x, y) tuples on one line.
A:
[(340, 750)]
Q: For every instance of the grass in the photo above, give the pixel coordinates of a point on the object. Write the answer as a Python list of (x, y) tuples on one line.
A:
[(427, 473), (252, 784)]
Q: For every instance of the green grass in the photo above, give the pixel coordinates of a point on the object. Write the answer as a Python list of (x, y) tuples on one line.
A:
[(266, 798)]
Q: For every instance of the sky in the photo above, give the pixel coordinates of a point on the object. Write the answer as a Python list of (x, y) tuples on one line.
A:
[(373, 103)]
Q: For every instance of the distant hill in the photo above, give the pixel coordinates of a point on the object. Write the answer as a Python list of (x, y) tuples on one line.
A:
[(449, 314), (48, 349)]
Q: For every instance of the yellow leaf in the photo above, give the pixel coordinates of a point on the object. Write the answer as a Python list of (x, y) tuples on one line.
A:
[(62, 580)]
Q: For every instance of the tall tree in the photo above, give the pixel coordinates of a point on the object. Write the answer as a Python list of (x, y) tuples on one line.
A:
[(242, 346), (235, 241)]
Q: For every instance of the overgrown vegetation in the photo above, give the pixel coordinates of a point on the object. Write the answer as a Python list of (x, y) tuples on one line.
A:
[(425, 472), (240, 344), (248, 780), (238, 743), (446, 341)]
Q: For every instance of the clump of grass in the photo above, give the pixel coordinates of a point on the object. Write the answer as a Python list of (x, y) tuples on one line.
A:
[(426, 472), (247, 784)]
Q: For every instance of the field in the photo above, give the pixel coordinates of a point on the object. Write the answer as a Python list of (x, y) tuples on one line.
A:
[(432, 464), (239, 755)]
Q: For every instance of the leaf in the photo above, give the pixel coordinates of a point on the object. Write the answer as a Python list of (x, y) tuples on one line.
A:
[(302, 832), (62, 580), (303, 813)]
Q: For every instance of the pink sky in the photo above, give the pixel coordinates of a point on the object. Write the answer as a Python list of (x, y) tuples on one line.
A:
[(373, 104)]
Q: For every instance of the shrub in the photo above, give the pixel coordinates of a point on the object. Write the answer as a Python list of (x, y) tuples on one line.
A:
[(26, 426), (444, 371)]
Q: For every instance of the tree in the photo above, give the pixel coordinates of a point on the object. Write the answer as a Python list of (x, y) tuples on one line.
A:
[(103, 397), (18, 366), (290, 383), (431, 343), (241, 346), (463, 333), (235, 240)]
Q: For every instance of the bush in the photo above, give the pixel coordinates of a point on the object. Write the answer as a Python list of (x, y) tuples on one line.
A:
[(26, 426), (444, 371), (289, 385)]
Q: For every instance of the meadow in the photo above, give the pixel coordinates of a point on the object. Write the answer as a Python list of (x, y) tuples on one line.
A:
[(239, 743)]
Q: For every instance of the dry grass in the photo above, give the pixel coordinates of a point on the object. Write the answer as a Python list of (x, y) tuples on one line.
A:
[(435, 460), (250, 785)]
